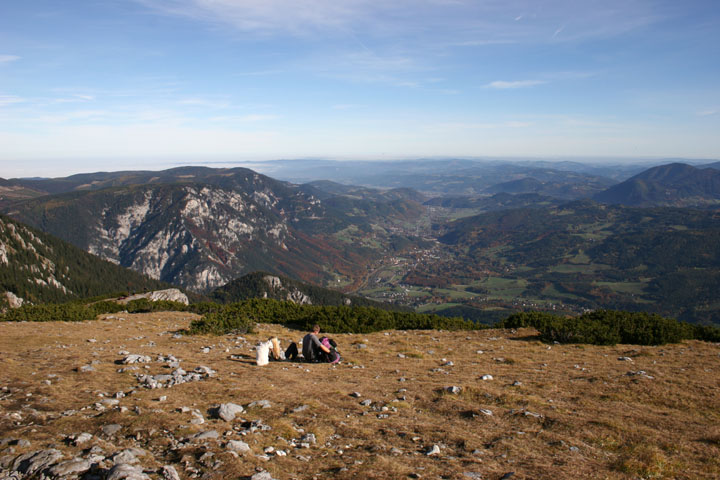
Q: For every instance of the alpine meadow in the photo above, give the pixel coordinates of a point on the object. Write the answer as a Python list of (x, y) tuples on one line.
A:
[(313, 239)]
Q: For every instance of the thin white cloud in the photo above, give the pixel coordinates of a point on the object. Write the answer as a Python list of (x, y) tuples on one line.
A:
[(483, 125), (708, 113), (8, 59), (6, 100), (250, 118), (502, 84), (258, 73), (203, 102), (75, 98), (453, 22), (344, 106)]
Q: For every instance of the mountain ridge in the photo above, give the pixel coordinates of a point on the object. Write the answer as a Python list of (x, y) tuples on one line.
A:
[(38, 268), (674, 184)]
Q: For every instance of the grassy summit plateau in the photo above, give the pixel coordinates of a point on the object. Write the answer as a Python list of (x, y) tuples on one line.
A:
[(549, 411)]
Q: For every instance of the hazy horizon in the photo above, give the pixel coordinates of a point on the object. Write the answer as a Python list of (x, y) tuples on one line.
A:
[(89, 86), (52, 170)]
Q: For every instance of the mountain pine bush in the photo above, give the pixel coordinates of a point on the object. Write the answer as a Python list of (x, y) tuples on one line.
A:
[(609, 327)]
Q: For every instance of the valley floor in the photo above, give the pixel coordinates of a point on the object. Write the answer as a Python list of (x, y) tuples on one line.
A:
[(554, 411)]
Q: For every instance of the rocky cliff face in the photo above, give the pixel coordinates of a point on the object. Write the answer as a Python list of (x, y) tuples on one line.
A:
[(194, 235), (207, 227)]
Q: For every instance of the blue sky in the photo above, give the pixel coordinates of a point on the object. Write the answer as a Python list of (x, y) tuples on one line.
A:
[(88, 85)]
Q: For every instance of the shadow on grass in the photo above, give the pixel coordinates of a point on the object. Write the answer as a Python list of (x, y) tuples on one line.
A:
[(527, 338)]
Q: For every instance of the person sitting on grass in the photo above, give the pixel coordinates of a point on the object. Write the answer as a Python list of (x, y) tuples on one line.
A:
[(311, 346)]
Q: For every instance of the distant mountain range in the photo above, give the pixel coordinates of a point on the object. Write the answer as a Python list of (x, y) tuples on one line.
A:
[(200, 228), (205, 229), (676, 184), (37, 267), (439, 177)]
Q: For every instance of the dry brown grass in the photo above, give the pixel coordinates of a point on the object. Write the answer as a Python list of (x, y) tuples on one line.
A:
[(575, 414)]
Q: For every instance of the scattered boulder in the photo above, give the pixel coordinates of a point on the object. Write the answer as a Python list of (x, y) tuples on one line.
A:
[(37, 461), (170, 294), (262, 476), (124, 471), (238, 447), (434, 450), (168, 472), (75, 466), (112, 429), (453, 389), (128, 456), (228, 411), (78, 440), (260, 403), (13, 301), (136, 359), (207, 435)]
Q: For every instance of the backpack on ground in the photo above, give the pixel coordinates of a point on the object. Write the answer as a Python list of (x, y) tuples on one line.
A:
[(333, 356)]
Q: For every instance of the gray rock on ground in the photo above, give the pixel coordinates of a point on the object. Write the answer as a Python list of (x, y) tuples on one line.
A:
[(111, 429), (128, 456), (78, 440), (228, 411), (75, 466), (168, 472), (261, 404), (434, 450), (135, 358), (208, 435), (262, 476), (37, 461), (124, 471), (238, 446)]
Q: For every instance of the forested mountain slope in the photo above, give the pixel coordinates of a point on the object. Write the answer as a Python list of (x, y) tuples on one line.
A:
[(39, 268)]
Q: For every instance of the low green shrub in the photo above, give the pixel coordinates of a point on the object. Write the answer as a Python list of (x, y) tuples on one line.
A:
[(609, 327), (332, 319), (228, 320), (50, 312)]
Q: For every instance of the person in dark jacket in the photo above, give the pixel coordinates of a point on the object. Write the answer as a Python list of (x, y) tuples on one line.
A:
[(311, 345)]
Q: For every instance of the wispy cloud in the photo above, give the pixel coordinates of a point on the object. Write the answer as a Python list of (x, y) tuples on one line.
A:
[(479, 23), (345, 106), (203, 102), (8, 59), (249, 118), (502, 84), (484, 125), (708, 113), (75, 98), (9, 100)]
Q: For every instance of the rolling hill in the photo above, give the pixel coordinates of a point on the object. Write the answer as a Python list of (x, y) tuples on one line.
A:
[(676, 184), (278, 287), (663, 260)]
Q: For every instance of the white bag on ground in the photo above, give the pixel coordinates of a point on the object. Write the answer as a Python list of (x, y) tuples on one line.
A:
[(263, 351)]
